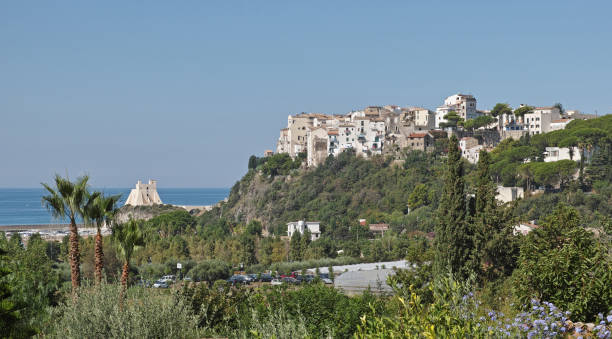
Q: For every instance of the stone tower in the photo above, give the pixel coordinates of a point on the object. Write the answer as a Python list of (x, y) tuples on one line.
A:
[(144, 194)]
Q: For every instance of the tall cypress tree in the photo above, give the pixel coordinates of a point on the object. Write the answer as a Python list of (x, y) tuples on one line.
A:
[(494, 252), (453, 236)]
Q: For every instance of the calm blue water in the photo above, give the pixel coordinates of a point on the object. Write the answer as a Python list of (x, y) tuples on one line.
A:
[(22, 206)]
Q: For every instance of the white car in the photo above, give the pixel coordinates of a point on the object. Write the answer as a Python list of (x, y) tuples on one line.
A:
[(167, 279), (276, 282)]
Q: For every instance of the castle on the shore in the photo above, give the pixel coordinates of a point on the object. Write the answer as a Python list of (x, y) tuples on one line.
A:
[(144, 194)]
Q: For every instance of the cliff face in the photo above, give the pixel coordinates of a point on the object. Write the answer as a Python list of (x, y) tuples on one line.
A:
[(142, 212), (336, 193), (257, 198)]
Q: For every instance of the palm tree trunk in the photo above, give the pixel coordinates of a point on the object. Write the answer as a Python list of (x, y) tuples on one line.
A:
[(124, 279), (99, 253), (75, 270)]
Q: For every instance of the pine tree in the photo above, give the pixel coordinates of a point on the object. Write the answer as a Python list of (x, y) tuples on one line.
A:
[(295, 247), (453, 236), (494, 253)]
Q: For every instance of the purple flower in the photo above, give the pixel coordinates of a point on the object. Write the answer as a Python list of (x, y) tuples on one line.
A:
[(563, 329), (609, 318)]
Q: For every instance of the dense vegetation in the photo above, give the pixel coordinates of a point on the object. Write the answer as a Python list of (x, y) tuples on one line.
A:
[(475, 279)]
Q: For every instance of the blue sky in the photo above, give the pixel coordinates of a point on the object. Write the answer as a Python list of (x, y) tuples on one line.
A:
[(183, 92)]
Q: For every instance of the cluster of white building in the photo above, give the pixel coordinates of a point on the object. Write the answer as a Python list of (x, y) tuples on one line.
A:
[(373, 130), (385, 129)]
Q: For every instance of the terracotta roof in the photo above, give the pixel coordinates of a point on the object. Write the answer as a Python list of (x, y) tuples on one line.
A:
[(549, 107), (562, 120), (332, 132), (417, 135)]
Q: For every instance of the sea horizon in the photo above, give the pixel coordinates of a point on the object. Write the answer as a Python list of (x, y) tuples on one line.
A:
[(23, 206)]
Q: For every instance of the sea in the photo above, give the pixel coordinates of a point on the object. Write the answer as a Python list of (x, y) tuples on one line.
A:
[(23, 206)]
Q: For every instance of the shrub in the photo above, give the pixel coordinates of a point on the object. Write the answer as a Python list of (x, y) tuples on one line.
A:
[(563, 263), (96, 313), (210, 270)]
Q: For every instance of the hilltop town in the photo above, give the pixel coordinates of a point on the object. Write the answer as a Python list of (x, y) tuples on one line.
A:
[(388, 129)]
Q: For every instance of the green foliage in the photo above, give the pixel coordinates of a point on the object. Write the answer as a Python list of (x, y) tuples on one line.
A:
[(500, 109), (12, 322), (145, 314), (324, 310), (219, 309), (481, 121), (453, 233), (521, 111), (32, 282), (563, 263), (548, 174), (495, 248), (420, 196), (210, 270), (452, 120), (280, 164), (449, 315)]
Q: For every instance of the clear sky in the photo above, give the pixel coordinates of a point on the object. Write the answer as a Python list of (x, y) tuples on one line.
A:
[(184, 91)]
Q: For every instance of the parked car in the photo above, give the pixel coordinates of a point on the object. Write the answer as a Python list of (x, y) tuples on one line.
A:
[(187, 279), (305, 278), (167, 278), (289, 280), (327, 280), (276, 282), (160, 284), (265, 277), (238, 279), (253, 276)]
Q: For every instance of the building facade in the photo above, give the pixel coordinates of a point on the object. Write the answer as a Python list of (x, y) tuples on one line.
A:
[(301, 226)]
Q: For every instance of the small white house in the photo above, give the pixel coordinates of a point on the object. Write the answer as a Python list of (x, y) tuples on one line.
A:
[(301, 226), (507, 194), (524, 228)]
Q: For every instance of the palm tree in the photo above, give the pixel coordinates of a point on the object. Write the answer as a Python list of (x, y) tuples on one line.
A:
[(128, 238), (67, 200), (100, 210)]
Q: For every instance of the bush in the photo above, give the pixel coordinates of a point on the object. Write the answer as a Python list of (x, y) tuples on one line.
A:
[(96, 313), (210, 270), (562, 263)]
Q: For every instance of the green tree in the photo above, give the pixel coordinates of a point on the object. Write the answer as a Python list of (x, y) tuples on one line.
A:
[(495, 251), (67, 200), (481, 121), (453, 239), (521, 111), (501, 109), (128, 238), (100, 210), (452, 120), (419, 197), (12, 322), (563, 263), (252, 162), (295, 247)]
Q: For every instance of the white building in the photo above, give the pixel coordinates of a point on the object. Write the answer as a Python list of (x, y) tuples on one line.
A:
[(559, 124), (524, 228), (470, 149), (463, 104), (507, 194), (440, 113), (300, 226), (563, 153), (144, 195), (539, 121)]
